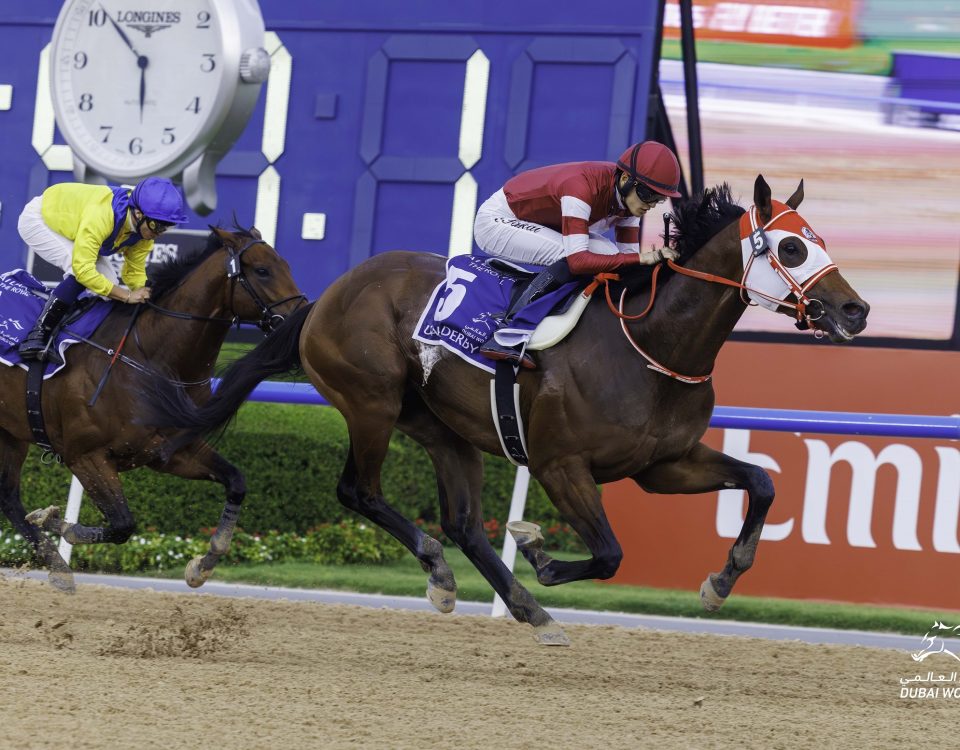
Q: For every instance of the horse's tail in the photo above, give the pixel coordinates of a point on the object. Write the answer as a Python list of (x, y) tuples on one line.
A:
[(167, 405)]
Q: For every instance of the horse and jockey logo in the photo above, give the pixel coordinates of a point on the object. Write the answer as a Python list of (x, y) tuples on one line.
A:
[(934, 643), (932, 685)]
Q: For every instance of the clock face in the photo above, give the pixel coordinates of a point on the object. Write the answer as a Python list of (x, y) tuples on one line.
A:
[(136, 85)]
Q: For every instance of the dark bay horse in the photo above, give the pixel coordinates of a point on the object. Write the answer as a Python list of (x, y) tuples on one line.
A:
[(237, 278), (596, 411)]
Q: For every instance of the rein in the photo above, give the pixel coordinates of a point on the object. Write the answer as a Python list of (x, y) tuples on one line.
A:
[(761, 247), (268, 320)]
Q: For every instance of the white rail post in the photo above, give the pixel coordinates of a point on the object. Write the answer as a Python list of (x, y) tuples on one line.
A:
[(517, 504), (71, 516)]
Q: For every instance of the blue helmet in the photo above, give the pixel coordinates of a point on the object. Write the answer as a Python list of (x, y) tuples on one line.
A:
[(158, 198)]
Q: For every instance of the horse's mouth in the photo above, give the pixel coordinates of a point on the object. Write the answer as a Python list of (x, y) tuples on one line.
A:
[(838, 333)]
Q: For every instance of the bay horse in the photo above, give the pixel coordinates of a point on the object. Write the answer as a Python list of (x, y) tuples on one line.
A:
[(236, 278), (595, 412)]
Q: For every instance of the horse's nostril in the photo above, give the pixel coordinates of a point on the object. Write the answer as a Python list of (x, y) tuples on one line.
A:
[(855, 311)]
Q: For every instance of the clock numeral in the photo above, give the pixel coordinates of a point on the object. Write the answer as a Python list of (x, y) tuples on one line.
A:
[(167, 138), (98, 17), (203, 20), (194, 105), (136, 145), (208, 63), (106, 135), (86, 102), (80, 60)]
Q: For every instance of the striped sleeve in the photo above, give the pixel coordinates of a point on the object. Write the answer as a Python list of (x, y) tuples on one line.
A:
[(575, 224), (627, 234)]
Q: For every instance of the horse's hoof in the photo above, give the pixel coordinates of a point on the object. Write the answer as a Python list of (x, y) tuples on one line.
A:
[(62, 580), (47, 518), (440, 598), (550, 634), (525, 533), (195, 575), (709, 598)]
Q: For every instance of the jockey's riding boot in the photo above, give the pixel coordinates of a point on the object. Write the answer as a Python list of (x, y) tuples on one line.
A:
[(553, 276), (34, 346), (492, 350)]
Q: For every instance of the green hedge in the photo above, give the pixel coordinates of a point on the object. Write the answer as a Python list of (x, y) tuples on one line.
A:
[(292, 457)]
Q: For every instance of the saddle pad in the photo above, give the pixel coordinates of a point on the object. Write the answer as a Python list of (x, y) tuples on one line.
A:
[(467, 307), (21, 299)]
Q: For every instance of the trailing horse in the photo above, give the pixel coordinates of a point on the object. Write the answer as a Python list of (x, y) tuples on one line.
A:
[(237, 278), (595, 412)]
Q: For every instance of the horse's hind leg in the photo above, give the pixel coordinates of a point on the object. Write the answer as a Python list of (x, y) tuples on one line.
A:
[(706, 470), (459, 468), (12, 455), (359, 489), (199, 461), (100, 480)]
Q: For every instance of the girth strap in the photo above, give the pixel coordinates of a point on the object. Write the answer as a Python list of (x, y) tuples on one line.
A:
[(34, 409), (505, 403)]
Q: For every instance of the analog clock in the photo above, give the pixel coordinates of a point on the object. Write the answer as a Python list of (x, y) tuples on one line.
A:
[(157, 88)]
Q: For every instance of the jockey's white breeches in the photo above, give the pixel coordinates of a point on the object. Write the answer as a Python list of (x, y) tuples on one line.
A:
[(500, 233)]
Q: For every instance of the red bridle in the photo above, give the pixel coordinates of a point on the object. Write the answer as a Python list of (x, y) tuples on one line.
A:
[(749, 228)]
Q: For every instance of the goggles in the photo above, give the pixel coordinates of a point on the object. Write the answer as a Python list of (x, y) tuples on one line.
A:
[(158, 227), (647, 195)]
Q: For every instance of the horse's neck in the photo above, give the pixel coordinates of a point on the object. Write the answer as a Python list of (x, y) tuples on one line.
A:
[(189, 348), (694, 317)]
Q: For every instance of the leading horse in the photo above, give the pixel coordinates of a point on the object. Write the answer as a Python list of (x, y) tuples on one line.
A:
[(595, 412), (237, 277)]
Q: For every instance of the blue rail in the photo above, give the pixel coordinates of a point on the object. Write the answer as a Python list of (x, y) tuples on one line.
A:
[(731, 417)]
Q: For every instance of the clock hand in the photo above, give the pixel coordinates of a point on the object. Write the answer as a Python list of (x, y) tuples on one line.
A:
[(142, 62), (121, 32)]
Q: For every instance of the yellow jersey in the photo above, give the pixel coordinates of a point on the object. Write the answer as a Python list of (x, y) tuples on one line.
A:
[(84, 214)]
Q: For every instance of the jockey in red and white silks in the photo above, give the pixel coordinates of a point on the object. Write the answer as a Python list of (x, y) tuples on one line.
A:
[(556, 215), (561, 211)]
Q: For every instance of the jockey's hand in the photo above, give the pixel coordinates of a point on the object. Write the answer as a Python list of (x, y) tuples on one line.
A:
[(139, 296), (658, 254)]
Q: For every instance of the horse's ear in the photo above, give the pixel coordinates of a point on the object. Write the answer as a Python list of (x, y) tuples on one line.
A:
[(761, 199), (797, 198), (224, 236), (255, 233)]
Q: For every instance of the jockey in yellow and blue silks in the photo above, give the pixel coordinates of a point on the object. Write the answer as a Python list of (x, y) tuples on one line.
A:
[(75, 227)]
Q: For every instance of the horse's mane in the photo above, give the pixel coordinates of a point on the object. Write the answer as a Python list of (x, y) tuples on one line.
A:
[(697, 220), (693, 223), (165, 276)]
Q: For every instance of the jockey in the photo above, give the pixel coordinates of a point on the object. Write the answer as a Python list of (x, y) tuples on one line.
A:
[(74, 226), (554, 216)]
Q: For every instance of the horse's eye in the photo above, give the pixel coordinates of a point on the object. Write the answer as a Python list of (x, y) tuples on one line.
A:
[(791, 248), (262, 271)]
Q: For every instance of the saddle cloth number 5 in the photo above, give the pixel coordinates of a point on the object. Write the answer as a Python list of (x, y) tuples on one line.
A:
[(455, 292)]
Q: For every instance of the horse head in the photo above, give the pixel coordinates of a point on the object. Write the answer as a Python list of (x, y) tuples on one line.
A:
[(267, 290), (933, 642), (797, 268)]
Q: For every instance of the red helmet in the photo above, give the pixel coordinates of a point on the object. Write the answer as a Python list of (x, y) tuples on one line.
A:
[(654, 165)]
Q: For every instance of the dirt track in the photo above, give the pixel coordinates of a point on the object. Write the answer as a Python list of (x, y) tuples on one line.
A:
[(110, 668)]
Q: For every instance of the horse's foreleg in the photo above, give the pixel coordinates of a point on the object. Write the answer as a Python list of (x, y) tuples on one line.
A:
[(199, 461), (706, 470), (573, 491), (12, 455)]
